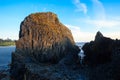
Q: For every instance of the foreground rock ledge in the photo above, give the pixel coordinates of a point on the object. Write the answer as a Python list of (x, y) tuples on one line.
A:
[(43, 40)]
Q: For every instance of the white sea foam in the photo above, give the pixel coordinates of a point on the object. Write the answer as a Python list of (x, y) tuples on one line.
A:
[(81, 54)]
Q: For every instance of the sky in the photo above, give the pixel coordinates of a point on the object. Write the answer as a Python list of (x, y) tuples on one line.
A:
[(83, 17)]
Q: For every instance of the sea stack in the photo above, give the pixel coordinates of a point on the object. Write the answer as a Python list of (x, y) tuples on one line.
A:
[(43, 44), (44, 38)]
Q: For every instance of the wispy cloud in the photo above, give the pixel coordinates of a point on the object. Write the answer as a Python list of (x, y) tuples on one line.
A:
[(100, 19), (79, 35), (113, 35), (80, 6), (96, 20), (99, 10), (44, 9), (104, 23)]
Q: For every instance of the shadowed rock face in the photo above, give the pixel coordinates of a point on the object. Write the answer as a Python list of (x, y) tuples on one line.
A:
[(103, 55), (98, 51), (44, 38)]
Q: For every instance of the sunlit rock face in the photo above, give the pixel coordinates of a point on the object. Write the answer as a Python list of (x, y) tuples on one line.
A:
[(44, 38), (45, 46)]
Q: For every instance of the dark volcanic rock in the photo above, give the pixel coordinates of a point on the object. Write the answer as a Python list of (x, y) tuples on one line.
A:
[(43, 40), (103, 58), (98, 51)]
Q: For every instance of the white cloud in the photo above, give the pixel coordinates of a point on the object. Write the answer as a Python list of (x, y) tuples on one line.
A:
[(99, 21), (44, 9), (80, 6), (80, 36), (115, 17), (113, 35), (104, 23), (10, 35), (99, 10)]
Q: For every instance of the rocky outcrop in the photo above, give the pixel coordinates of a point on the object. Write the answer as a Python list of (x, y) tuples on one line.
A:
[(101, 50), (43, 40), (102, 58), (98, 51)]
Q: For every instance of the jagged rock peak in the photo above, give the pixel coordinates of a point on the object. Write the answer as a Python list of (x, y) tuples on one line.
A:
[(98, 35)]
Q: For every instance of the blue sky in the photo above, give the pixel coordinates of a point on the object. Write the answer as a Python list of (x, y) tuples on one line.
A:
[(83, 17)]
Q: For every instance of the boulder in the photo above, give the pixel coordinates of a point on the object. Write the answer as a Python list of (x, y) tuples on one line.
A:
[(44, 49), (44, 38)]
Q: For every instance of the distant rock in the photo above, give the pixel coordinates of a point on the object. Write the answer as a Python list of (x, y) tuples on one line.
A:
[(43, 40)]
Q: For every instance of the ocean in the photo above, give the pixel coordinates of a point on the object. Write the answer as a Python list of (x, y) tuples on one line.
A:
[(5, 54)]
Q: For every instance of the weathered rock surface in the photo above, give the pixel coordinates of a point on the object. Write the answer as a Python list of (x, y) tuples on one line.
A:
[(43, 40)]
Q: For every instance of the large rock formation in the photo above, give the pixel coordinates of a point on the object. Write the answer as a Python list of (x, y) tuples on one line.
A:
[(103, 57), (44, 38), (98, 51), (101, 50)]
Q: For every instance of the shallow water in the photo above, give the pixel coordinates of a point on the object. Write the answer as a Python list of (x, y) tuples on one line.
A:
[(5, 54), (81, 53)]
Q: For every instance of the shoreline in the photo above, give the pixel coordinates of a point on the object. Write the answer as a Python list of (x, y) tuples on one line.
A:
[(7, 46)]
